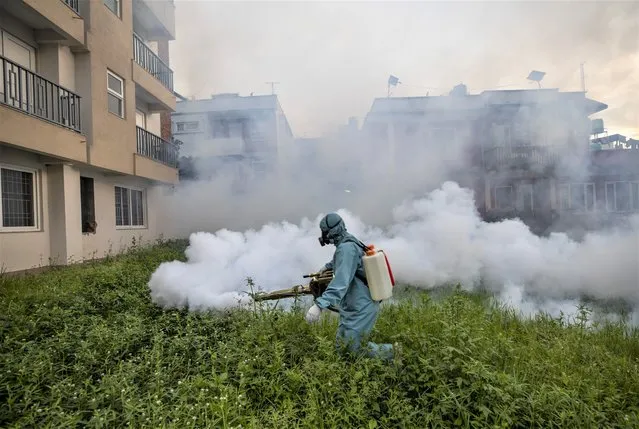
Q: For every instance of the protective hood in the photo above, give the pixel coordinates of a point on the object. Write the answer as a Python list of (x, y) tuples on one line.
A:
[(333, 229)]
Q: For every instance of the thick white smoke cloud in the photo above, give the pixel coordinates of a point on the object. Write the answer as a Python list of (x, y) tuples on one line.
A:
[(436, 240)]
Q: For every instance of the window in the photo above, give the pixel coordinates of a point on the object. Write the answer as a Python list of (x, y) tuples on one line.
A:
[(129, 207), (18, 190), (115, 92), (500, 135), (114, 6), (577, 196), (140, 118), (622, 196), (221, 128), (87, 205), (504, 197), (525, 197), (187, 126)]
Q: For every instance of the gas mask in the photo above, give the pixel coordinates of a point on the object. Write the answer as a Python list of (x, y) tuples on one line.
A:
[(324, 240)]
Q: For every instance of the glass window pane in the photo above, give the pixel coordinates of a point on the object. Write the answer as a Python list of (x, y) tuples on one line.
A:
[(115, 105), (114, 84), (17, 198)]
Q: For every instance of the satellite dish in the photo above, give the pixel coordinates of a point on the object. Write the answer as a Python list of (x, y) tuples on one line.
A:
[(536, 76)]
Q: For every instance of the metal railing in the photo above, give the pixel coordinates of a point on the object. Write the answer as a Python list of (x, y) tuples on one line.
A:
[(73, 4), (156, 148), (146, 58), (31, 93), (519, 156)]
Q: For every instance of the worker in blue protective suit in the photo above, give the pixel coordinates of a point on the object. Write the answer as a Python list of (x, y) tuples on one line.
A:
[(348, 292)]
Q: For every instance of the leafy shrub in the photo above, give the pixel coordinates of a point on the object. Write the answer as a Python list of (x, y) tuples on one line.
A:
[(85, 346)]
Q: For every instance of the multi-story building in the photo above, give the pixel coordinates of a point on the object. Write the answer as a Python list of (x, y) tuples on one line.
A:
[(249, 135), (525, 153), (85, 146)]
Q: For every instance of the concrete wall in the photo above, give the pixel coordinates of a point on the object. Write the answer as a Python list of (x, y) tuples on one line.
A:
[(18, 29), (110, 238), (57, 63), (23, 250), (58, 238), (113, 141)]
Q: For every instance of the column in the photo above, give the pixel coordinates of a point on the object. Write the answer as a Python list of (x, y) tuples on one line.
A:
[(65, 220)]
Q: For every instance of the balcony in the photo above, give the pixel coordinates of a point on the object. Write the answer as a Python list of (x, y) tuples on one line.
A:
[(153, 78), (52, 20), (520, 157), (39, 115), (156, 148), (146, 58), (73, 4), (34, 95), (157, 17)]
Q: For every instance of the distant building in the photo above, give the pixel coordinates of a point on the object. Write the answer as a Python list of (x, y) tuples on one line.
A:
[(249, 134), (526, 153)]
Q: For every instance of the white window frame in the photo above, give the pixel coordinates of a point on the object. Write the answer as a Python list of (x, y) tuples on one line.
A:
[(570, 186), (36, 200), (614, 196), (118, 5), (112, 92), (5, 35), (144, 118), (144, 208), (512, 193)]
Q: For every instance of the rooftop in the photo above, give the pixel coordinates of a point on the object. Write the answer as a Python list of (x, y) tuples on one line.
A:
[(484, 99), (226, 102)]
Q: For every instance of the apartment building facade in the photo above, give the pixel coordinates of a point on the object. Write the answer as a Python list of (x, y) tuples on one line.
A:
[(228, 134), (525, 153), (85, 147)]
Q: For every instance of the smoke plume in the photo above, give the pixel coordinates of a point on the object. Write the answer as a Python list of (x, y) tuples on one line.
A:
[(415, 202), (435, 240)]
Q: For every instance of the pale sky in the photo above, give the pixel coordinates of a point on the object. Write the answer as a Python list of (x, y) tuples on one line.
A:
[(332, 59)]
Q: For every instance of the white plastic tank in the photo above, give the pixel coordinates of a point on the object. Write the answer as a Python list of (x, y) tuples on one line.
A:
[(378, 274)]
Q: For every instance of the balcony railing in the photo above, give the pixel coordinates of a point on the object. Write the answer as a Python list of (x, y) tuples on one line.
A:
[(31, 93), (156, 148), (146, 58), (73, 4), (519, 157)]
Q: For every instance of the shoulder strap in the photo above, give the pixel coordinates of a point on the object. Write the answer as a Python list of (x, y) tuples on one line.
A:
[(358, 274)]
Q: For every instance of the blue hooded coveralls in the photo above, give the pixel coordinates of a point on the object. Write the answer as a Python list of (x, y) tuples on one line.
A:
[(348, 293)]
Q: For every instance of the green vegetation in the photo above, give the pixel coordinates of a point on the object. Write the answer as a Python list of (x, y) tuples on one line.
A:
[(85, 347)]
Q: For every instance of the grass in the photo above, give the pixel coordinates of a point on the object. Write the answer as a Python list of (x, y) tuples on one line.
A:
[(84, 346)]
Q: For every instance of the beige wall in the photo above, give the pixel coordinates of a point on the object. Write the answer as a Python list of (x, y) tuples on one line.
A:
[(60, 15), (109, 238), (17, 29), (67, 68), (57, 63), (113, 141), (64, 213), (59, 238), (25, 250), (35, 134)]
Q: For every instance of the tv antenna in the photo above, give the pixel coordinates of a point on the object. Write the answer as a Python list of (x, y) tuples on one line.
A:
[(536, 76), (272, 86), (583, 77)]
